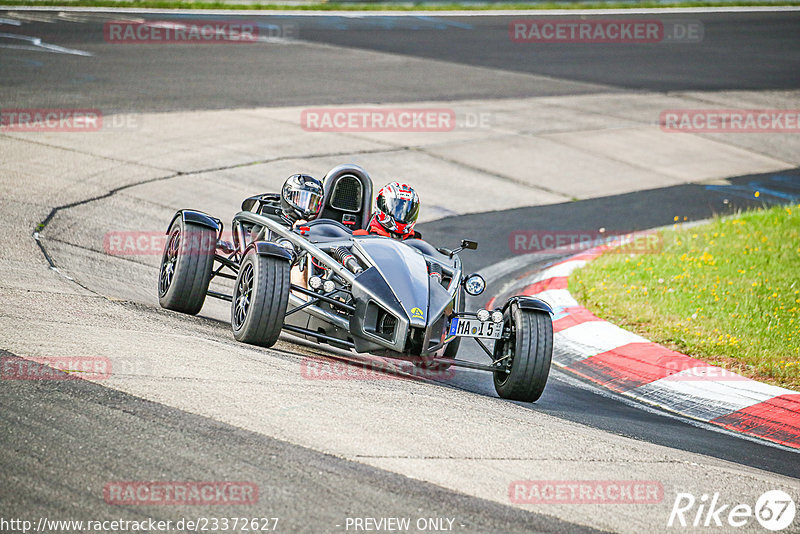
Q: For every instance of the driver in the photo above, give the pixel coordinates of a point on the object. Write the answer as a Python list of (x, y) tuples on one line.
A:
[(301, 201), (396, 212), (301, 198)]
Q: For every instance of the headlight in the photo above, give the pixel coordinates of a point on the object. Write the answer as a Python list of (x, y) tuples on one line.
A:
[(497, 316), (315, 282), (483, 315), (328, 286), (474, 284)]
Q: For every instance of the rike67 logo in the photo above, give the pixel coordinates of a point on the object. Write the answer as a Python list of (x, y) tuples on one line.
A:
[(774, 510)]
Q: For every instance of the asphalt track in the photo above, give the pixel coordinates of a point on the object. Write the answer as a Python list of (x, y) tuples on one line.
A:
[(186, 446), (134, 439), (738, 51)]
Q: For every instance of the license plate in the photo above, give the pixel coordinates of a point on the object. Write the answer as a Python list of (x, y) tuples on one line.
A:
[(461, 327)]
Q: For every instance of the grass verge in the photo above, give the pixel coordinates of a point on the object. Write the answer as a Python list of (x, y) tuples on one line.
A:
[(727, 292), (375, 6)]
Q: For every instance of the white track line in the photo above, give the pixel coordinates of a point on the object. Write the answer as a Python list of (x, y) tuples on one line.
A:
[(40, 46)]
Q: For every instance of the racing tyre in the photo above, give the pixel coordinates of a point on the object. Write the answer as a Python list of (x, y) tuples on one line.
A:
[(260, 298), (186, 267), (528, 353)]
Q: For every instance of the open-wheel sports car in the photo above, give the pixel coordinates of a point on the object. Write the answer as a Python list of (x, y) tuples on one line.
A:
[(371, 294)]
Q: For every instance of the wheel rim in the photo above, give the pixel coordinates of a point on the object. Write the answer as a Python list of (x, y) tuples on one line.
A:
[(507, 350), (242, 297), (169, 262)]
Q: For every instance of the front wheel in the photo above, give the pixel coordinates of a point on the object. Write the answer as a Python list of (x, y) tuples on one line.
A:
[(186, 267), (260, 298), (526, 354)]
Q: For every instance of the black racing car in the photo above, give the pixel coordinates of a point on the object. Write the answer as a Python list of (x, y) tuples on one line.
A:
[(371, 294)]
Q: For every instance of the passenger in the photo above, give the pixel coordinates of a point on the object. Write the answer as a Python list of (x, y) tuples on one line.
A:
[(396, 212)]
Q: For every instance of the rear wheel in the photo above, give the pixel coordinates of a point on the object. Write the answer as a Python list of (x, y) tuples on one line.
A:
[(526, 354), (186, 267), (260, 298)]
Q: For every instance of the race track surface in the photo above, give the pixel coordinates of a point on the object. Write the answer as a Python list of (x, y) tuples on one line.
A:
[(391, 58)]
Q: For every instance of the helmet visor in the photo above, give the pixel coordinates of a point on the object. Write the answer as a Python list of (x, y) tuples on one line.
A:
[(403, 211), (306, 202)]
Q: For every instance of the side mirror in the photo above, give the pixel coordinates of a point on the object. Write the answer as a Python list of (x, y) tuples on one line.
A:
[(465, 244)]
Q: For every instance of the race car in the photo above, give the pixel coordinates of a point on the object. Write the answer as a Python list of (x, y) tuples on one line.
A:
[(367, 293)]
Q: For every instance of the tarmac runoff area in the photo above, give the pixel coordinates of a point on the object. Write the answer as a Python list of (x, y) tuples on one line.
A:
[(526, 152)]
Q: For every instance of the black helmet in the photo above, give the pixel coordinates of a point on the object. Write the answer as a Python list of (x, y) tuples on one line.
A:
[(301, 197)]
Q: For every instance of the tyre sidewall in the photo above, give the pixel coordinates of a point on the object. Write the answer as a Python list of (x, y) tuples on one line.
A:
[(512, 313), (175, 226), (252, 259), (268, 301), (529, 351), (187, 290)]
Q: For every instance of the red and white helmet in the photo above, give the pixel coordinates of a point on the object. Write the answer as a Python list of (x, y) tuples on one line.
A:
[(397, 208)]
